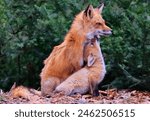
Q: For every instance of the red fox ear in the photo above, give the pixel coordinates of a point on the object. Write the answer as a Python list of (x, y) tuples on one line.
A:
[(90, 60), (89, 11), (100, 7)]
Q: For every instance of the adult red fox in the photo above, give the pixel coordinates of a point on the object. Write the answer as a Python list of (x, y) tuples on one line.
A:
[(67, 57), (86, 79)]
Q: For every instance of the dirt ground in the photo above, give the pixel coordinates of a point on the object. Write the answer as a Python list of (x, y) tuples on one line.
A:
[(112, 96)]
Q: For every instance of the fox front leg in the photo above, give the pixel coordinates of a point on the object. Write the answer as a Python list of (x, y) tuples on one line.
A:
[(94, 89)]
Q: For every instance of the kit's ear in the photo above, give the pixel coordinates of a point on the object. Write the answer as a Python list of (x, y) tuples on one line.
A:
[(89, 12), (91, 60), (100, 7)]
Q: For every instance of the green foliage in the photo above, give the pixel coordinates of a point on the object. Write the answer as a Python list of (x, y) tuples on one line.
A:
[(31, 28), (129, 45)]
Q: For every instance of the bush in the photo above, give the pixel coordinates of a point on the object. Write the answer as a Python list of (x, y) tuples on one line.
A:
[(30, 30)]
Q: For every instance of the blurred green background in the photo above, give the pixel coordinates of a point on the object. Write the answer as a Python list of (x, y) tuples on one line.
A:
[(29, 29)]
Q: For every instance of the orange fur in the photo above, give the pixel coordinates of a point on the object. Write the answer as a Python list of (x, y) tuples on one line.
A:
[(20, 92), (67, 57), (23, 92), (87, 78)]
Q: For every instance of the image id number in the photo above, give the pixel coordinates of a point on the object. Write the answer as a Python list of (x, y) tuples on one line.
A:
[(106, 113)]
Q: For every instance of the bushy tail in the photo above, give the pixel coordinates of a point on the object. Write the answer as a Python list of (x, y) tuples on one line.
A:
[(23, 92)]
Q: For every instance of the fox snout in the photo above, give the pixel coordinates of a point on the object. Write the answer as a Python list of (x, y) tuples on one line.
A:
[(99, 33), (105, 32), (96, 34)]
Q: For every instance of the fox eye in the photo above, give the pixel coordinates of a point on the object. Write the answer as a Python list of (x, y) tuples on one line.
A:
[(98, 24)]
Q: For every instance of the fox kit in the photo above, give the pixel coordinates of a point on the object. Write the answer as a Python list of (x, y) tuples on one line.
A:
[(67, 57), (88, 78)]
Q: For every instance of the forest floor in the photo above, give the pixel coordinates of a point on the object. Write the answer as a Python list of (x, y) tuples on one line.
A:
[(111, 96)]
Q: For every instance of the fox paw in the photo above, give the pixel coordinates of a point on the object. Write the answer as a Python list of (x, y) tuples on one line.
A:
[(95, 93)]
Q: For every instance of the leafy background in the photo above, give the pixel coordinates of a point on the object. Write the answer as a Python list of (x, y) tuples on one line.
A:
[(29, 29)]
